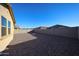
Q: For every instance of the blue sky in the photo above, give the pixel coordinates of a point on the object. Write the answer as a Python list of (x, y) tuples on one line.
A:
[(32, 15)]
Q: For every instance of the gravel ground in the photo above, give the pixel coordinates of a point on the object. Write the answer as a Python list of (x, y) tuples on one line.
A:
[(35, 44)]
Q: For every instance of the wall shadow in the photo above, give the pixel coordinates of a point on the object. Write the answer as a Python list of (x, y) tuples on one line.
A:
[(45, 45)]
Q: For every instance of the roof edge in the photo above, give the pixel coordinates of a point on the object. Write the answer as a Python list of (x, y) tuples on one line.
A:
[(7, 5)]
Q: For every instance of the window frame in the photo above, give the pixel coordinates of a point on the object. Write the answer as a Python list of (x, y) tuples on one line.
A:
[(5, 26)]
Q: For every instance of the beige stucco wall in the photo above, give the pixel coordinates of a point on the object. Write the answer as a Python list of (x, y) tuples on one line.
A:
[(4, 41)]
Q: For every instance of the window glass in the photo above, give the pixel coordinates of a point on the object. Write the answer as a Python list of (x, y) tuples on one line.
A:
[(9, 24), (4, 21), (4, 25), (8, 30), (3, 31), (9, 27)]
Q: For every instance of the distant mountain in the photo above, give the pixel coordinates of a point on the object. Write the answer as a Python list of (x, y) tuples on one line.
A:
[(41, 27), (57, 26)]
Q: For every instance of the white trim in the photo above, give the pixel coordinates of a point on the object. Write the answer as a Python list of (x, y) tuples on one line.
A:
[(3, 26)]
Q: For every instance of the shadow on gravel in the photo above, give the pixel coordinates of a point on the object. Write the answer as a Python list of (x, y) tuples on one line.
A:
[(45, 45)]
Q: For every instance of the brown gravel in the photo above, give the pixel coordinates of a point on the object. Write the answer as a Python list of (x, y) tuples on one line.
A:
[(35, 44)]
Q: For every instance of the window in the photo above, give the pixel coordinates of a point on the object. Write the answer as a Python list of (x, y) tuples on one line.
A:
[(4, 25), (9, 27)]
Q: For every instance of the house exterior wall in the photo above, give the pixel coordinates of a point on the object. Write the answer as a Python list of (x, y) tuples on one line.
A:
[(5, 40)]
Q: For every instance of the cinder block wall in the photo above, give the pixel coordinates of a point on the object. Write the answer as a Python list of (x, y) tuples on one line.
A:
[(78, 33), (66, 32)]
